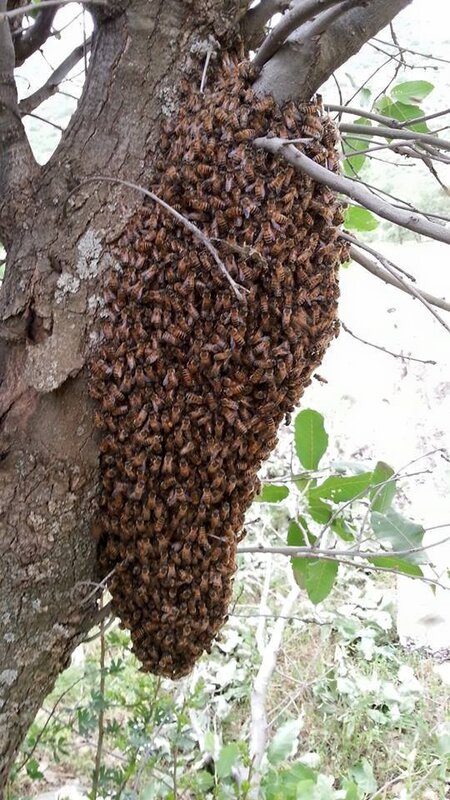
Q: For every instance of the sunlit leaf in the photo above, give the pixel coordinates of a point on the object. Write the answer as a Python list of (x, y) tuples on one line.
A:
[(272, 493), (227, 759), (319, 578), (340, 489), (382, 497), (352, 144), (311, 439), (360, 219), (320, 512), (401, 533), (362, 774), (398, 564), (343, 529), (402, 112), (412, 91), (284, 744)]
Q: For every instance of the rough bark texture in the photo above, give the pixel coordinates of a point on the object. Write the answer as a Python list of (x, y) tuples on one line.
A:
[(56, 255), (305, 61)]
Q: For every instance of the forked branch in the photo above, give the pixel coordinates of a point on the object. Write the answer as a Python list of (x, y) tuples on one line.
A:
[(32, 38), (291, 21), (28, 104)]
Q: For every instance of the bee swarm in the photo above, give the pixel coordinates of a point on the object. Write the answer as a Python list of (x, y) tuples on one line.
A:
[(192, 382)]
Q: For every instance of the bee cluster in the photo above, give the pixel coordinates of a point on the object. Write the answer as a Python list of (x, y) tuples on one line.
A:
[(192, 382)]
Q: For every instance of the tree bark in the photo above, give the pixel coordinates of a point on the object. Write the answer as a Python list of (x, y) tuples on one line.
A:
[(57, 253)]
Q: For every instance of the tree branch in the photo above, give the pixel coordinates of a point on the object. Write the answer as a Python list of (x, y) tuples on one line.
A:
[(393, 133), (257, 17), (302, 64), (17, 12), (356, 191), (258, 725), (28, 104), (16, 160), (409, 287), (34, 37), (379, 272), (402, 356), (291, 21)]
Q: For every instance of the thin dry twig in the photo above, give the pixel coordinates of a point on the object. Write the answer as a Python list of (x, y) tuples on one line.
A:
[(50, 716), (408, 286), (17, 12), (101, 715), (390, 132), (379, 272), (58, 75), (237, 288), (384, 349)]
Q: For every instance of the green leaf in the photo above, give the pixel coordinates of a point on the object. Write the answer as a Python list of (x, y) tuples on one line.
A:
[(284, 744), (320, 512), (401, 533), (365, 95), (399, 564), (296, 538), (340, 489), (204, 780), (412, 91), (382, 497), (362, 774), (33, 771), (351, 144), (319, 578), (227, 759), (343, 529), (359, 219), (272, 493), (311, 439), (402, 112)]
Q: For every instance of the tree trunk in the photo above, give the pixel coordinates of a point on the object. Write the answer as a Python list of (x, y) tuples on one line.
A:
[(57, 251)]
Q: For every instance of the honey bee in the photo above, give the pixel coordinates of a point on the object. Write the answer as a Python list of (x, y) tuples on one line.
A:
[(264, 104), (267, 232)]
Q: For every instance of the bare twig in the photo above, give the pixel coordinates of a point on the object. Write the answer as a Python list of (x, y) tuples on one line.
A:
[(237, 289), (425, 118), (101, 715), (291, 20), (354, 190), (410, 288), (384, 349), (47, 722), (390, 132), (17, 12), (293, 553), (258, 725), (331, 554), (360, 112), (51, 85), (379, 272), (34, 37), (413, 52)]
